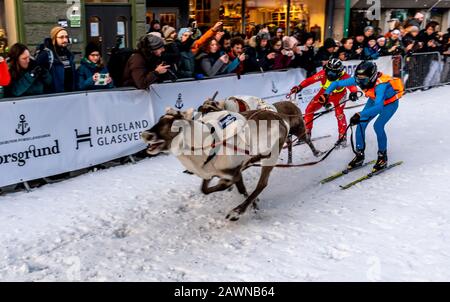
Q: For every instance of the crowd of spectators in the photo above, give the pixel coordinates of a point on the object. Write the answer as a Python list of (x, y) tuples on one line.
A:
[(166, 53)]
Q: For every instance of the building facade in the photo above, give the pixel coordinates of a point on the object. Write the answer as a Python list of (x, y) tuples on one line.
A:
[(362, 13), (102, 21)]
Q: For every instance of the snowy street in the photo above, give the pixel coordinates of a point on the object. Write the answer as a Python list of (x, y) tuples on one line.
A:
[(150, 222)]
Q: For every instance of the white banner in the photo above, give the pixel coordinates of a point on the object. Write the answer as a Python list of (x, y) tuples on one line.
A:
[(47, 136), (54, 134)]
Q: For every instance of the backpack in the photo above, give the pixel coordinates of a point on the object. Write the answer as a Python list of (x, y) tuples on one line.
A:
[(51, 57), (116, 64)]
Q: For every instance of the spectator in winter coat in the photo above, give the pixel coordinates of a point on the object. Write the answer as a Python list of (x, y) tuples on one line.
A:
[(54, 56), (155, 26), (358, 46), (371, 51), (27, 77), (382, 49), (260, 57), (5, 78), (92, 69), (369, 33), (237, 56), (213, 61), (326, 52), (410, 42), (284, 52), (416, 21), (186, 65), (171, 55), (346, 50), (393, 44), (145, 66), (304, 55)]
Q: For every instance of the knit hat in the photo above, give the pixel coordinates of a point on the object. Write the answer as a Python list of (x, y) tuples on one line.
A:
[(167, 31), (367, 28), (182, 31), (155, 33), (54, 32), (395, 32), (154, 42), (90, 48), (329, 43)]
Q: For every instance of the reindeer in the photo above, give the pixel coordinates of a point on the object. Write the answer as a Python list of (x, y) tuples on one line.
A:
[(166, 135), (288, 110)]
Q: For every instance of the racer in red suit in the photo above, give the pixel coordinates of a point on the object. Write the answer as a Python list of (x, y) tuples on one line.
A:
[(333, 71)]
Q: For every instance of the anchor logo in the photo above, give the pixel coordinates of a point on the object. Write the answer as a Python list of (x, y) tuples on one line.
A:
[(179, 103), (23, 127), (274, 88)]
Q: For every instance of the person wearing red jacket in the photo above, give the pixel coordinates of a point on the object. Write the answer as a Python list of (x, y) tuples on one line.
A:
[(5, 78), (333, 71)]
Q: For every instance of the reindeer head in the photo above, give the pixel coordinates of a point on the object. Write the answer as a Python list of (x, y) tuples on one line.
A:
[(160, 136), (211, 105)]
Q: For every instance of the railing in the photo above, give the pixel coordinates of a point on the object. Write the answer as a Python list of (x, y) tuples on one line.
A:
[(425, 70)]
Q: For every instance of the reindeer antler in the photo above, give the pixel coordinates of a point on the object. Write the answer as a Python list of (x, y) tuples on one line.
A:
[(214, 96)]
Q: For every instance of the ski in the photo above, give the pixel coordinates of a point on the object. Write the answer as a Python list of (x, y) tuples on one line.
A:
[(344, 172), (368, 176)]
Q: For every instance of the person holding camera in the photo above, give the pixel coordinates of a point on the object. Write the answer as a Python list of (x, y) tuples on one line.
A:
[(27, 78), (145, 66), (212, 61), (92, 73), (237, 56)]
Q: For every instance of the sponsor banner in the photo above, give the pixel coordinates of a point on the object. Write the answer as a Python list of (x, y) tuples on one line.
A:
[(47, 136)]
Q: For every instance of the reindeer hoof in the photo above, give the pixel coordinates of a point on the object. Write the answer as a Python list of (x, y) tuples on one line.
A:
[(319, 153), (234, 215)]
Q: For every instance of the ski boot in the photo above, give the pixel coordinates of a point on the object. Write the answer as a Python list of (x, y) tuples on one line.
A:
[(357, 161), (343, 142), (381, 163)]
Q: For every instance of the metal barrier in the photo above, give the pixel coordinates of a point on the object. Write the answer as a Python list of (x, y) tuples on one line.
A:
[(425, 70)]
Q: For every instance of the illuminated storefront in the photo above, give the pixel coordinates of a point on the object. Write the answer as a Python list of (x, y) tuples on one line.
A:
[(306, 15), (8, 29)]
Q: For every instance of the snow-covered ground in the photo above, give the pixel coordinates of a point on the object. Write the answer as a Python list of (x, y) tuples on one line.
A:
[(150, 222)]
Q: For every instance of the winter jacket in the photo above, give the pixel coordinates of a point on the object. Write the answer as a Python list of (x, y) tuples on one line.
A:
[(4, 77), (235, 65), (281, 61), (202, 41), (50, 58), (140, 72), (186, 64), (257, 57), (29, 83), (211, 65), (305, 60), (391, 43), (86, 72), (371, 53), (322, 55)]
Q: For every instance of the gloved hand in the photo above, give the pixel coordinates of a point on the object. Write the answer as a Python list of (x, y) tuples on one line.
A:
[(37, 71), (353, 96), (296, 89), (323, 99), (355, 119)]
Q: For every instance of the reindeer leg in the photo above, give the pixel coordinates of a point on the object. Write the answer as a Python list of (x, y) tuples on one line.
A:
[(308, 141), (235, 214), (221, 186)]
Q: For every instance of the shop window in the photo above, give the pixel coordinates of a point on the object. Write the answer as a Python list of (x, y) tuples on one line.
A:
[(122, 31), (106, 1)]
